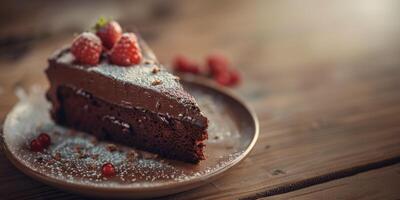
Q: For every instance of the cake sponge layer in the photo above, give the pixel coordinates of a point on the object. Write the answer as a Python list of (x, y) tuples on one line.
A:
[(143, 129)]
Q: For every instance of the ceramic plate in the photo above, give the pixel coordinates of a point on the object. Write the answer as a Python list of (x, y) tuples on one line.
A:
[(74, 159)]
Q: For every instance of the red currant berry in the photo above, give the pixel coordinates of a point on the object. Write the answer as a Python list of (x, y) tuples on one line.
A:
[(234, 78), (108, 170), (223, 79), (36, 146), (44, 139), (217, 65), (194, 69), (181, 64)]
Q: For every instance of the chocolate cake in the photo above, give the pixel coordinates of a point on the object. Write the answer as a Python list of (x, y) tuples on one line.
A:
[(141, 105)]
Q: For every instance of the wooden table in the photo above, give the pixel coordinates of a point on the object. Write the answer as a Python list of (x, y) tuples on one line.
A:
[(323, 77)]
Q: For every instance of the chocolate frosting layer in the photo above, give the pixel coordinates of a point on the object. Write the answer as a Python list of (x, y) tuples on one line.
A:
[(144, 86)]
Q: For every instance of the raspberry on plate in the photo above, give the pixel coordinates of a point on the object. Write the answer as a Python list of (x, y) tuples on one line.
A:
[(181, 64), (234, 78), (109, 32), (126, 51), (223, 79), (87, 48)]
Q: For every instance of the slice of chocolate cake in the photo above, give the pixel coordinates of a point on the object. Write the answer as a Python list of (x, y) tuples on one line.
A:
[(140, 105)]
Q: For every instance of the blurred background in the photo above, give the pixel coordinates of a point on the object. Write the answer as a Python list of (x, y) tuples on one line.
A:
[(257, 34), (282, 47), (290, 34)]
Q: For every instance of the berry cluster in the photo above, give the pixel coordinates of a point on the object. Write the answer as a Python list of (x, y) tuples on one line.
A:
[(40, 142), (217, 68), (122, 48)]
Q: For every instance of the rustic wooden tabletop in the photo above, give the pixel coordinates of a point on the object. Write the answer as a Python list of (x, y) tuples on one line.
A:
[(323, 77)]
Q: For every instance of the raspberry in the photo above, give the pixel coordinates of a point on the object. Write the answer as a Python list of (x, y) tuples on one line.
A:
[(36, 146), (87, 48), (108, 170), (217, 65), (181, 64), (194, 69), (126, 51), (230, 78), (109, 32), (234, 78), (44, 140), (223, 79)]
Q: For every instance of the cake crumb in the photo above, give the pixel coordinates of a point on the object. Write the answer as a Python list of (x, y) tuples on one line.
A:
[(155, 70), (91, 166), (148, 62), (57, 156), (158, 105), (77, 149), (94, 141), (156, 82), (39, 159), (132, 155), (83, 155), (111, 147)]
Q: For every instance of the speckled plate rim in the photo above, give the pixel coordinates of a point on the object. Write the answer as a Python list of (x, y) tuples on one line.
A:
[(148, 191)]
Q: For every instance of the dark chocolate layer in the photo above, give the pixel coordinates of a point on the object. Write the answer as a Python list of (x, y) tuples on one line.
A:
[(143, 129)]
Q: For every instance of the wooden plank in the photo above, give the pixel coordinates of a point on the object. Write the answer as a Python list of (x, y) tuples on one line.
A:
[(326, 96), (375, 184), (15, 185), (300, 144)]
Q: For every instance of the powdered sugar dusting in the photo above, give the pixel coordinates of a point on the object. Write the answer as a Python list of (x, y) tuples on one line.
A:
[(77, 157), (137, 74)]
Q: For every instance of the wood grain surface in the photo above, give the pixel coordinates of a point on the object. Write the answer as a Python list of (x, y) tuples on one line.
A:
[(323, 78), (375, 184)]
